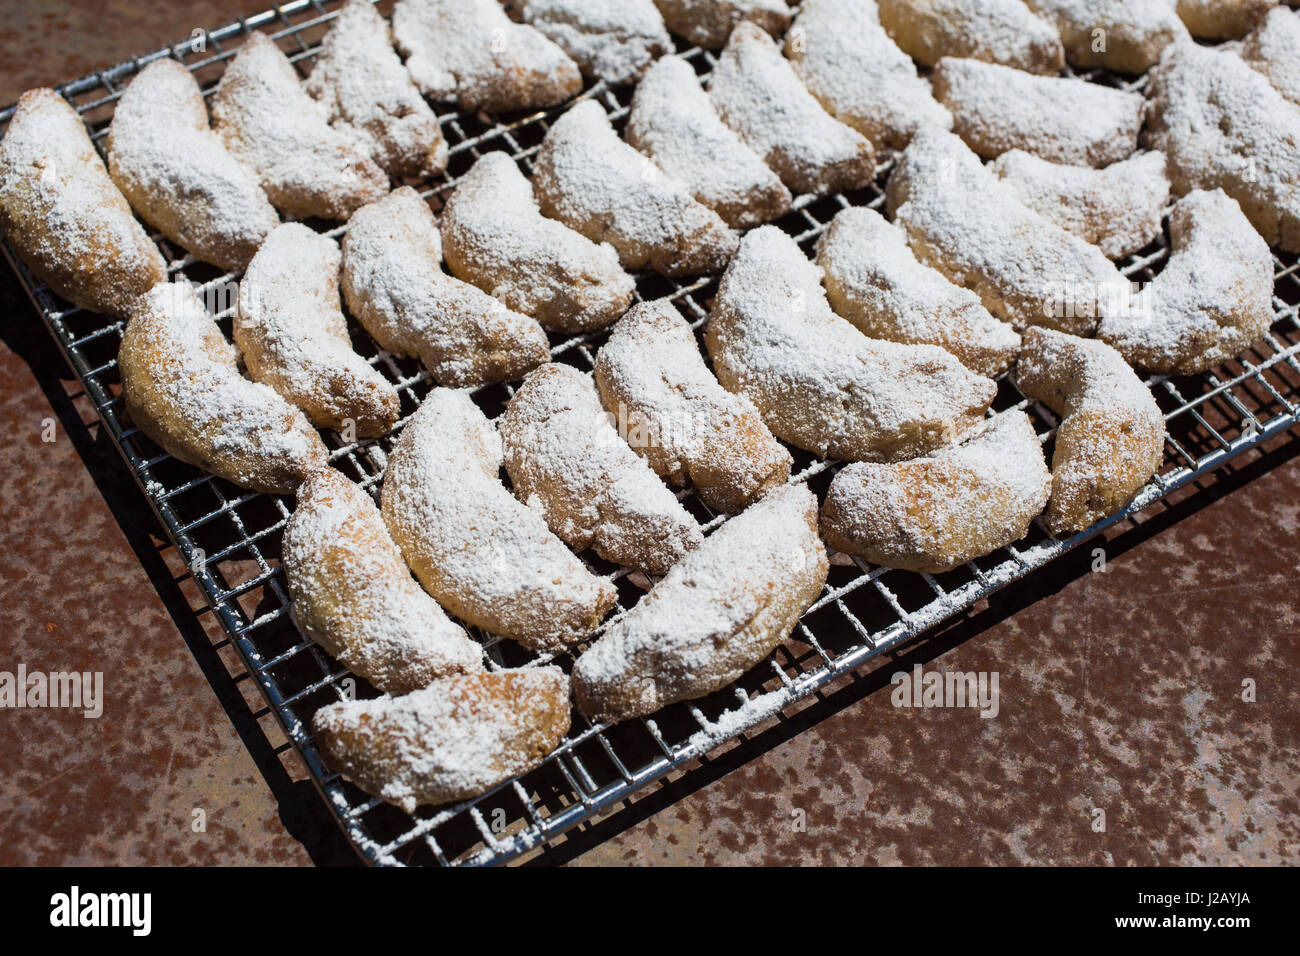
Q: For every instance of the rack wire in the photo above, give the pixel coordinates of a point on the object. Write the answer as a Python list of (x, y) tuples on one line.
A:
[(230, 538)]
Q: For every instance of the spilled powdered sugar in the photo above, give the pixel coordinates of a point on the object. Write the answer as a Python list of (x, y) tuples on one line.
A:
[(612, 40)]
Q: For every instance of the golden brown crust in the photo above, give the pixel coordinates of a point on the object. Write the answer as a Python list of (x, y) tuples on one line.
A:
[(1222, 19), (996, 31), (708, 23), (1123, 35), (63, 214)]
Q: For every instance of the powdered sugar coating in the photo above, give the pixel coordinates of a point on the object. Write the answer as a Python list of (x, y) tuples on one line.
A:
[(63, 214), (713, 616), (673, 412), (821, 384), (611, 40), (932, 514), (354, 595), (267, 121), (590, 180), (1117, 208), (1222, 125), (181, 383), (1273, 48), (673, 121), (395, 287), (962, 221), (469, 51), (1065, 120), (758, 95), (1222, 19), (567, 462), (366, 92), (454, 739), (482, 554), (996, 31), (708, 23), (847, 60), (873, 280), (1211, 301), (495, 237), (1123, 35), (1111, 437)]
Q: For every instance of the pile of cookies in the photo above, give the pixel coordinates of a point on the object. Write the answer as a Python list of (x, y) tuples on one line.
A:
[(1014, 191)]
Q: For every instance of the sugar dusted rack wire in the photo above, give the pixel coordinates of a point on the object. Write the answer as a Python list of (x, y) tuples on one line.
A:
[(864, 612)]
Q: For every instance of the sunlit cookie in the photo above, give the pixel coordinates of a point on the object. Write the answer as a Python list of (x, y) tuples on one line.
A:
[(821, 384), (395, 287), (1222, 19), (452, 740), (1212, 300), (592, 181), (708, 23), (1025, 268), (672, 411), (470, 52), (932, 514), (178, 175), (611, 40), (873, 280), (1221, 124), (1123, 35), (996, 31), (758, 94), (847, 60), (485, 556), (1273, 48), (996, 108), (367, 93), (675, 124), (713, 616), (62, 214), (269, 122), (1117, 208), (1111, 437), (567, 461), (182, 387), (293, 336), (355, 597), (494, 236)]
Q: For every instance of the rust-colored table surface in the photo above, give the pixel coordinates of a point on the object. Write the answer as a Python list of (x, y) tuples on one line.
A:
[(1120, 691)]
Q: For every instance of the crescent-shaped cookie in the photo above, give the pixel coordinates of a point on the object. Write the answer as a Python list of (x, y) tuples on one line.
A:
[(1222, 19), (758, 94), (1062, 119), (182, 388), (452, 740), (355, 597), (1273, 48), (861, 77), (713, 616), (590, 180), (494, 236), (1212, 300), (485, 556), (64, 217), (469, 51), (394, 286), (708, 23), (567, 462), (673, 121), (366, 92), (268, 122), (613, 40), (293, 336), (932, 514), (1123, 35), (1111, 437), (873, 280), (1222, 125), (178, 175), (672, 411), (996, 31), (818, 382), (1026, 269)]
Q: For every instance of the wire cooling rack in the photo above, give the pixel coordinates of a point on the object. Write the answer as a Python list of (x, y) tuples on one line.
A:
[(230, 538)]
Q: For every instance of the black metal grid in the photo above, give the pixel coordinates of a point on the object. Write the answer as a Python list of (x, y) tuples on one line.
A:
[(230, 538)]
